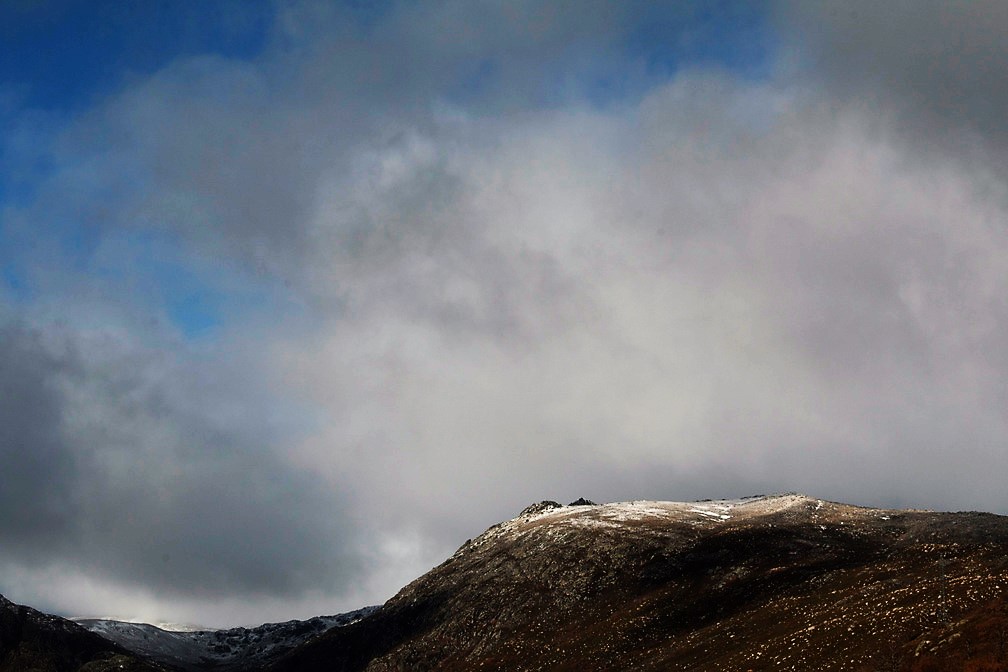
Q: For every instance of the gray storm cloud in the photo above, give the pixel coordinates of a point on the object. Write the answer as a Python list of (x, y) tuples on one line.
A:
[(935, 69), (133, 467), (713, 287)]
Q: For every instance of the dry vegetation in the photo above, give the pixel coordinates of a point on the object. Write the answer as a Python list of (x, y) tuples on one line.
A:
[(783, 582), (772, 583)]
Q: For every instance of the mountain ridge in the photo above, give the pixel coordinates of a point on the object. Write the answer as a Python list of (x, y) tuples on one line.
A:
[(767, 582), (781, 581), (219, 650)]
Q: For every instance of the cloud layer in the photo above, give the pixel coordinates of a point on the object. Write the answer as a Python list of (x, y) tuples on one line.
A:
[(446, 278)]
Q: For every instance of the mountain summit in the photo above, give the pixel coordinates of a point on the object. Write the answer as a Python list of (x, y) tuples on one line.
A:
[(780, 582)]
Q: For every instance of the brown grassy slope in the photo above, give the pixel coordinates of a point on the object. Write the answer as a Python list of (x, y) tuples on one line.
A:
[(778, 583)]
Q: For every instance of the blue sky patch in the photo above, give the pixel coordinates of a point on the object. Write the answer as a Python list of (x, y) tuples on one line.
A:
[(62, 54), (732, 35), (194, 313)]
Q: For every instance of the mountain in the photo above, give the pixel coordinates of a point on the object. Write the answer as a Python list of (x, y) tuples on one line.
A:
[(781, 582), (32, 641), (218, 650)]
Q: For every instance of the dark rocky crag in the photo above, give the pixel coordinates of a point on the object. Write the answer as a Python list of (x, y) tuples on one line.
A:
[(783, 582)]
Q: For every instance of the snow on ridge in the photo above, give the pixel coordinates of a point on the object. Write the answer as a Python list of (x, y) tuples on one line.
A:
[(96, 621), (711, 514), (617, 514), (710, 509), (183, 627)]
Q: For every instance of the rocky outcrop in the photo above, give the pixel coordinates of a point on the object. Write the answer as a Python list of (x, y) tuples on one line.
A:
[(541, 507)]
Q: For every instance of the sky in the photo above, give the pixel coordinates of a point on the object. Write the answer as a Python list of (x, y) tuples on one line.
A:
[(297, 296)]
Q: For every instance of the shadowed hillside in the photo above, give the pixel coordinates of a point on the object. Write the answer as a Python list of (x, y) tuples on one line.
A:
[(31, 641), (767, 583)]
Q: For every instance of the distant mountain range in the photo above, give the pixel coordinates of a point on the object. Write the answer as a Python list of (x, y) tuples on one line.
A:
[(233, 649), (778, 582)]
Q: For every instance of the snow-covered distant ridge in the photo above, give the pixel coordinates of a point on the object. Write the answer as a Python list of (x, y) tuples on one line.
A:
[(234, 648), (166, 626)]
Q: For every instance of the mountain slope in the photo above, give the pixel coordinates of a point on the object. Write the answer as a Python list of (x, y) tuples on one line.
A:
[(218, 650), (784, 582), (31, 640)]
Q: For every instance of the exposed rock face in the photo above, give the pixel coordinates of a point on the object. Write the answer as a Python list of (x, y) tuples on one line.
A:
[(581, 501), (541, 507), (31, 640), (782, 582)]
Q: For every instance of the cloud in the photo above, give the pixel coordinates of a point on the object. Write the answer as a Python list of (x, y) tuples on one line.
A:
[(674, 286), (936, 67), (35, 467), (153, 472)]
